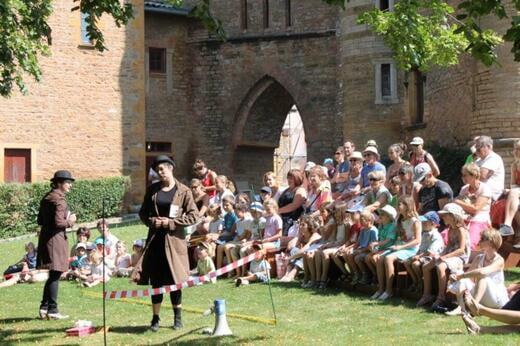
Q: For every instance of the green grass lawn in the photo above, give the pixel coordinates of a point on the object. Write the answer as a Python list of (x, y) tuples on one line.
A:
[(305, 317)]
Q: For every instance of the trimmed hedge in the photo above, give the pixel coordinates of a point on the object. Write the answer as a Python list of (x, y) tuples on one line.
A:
[(450, 161), (19, 203)]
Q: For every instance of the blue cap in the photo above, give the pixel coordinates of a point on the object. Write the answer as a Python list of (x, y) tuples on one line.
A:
[(328, 161), (257, 206), (430, 216), (99, 241)]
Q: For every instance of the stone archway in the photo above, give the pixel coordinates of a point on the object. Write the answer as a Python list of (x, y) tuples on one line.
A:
[(257, 127)]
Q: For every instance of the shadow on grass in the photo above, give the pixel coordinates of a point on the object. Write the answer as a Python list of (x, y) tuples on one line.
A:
[(130, 329), (17, 319), (513, 276), (209, 340)]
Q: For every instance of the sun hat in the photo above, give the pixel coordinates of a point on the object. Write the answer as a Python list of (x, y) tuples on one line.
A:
[(309, 165), (90, 246), (162, 159), (430, 216), (371, 143), (388, 210), (420, 171), (257, 206), (417, 141), (372, 150), (62, 175), (356, 155), (452, 208)]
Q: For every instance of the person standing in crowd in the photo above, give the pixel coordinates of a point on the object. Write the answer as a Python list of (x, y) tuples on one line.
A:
[(371, 156), (270, 181), (395, 153), (419, 155), (291, 202), (491, 166), (207, 177), (434, 193), (54, 217), (339, 180), (354, 178), (168, 208)]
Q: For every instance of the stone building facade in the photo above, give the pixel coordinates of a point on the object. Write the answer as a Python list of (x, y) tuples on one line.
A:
[(166, 86)]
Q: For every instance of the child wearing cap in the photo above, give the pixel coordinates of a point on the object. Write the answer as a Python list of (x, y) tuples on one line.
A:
[(409, 230), (228, 232), (453, 257), (80, 259), (110, 239), (259, 268), (431, 246), (265, 193), (328, 163), (257, 227), (205, 264), (137, 249), (82, 236), (356, 260), (386, 238)]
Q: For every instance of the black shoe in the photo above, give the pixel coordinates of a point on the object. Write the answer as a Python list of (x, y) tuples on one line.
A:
[(154, 325), (177, 324)]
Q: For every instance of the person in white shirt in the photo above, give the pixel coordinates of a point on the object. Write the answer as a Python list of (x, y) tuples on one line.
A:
[(491, 166)]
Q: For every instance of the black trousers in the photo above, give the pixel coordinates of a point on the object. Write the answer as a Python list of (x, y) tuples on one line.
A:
[(50, 292), (175, 297)]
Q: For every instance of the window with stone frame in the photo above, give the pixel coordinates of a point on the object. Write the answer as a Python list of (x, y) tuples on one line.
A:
[(266, 13), (243, 14), (84, 36), (415, 83), (385, 82), (157, 60), (288, 15), (385, 5)]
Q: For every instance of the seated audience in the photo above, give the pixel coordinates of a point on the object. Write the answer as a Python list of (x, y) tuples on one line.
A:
[(356, 259), (377, 196), (395, 153), (419, 155), (434, 193), (259, 268), (207, 177), (513, 196), (491, 166), (205, 264), (82, 236), (371, 156), (123, 261)]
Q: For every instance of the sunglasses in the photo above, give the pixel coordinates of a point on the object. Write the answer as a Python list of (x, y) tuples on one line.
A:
[(402, 173), (353, 160), (338, 153), (373, 179), (367, 155)]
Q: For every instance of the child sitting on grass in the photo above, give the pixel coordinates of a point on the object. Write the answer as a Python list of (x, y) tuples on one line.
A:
[(137, 248), (28, 261), (205, 264), (386, 234), (431, 246), (30, 276), (96, 270), (123, 260), (82, 236), (259, 268), (356, 260)]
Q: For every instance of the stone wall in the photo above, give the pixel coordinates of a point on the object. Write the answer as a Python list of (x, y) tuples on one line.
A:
[(87, 114)]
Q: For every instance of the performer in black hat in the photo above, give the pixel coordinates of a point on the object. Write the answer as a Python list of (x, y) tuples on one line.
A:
[(54, 218), (168, 208)]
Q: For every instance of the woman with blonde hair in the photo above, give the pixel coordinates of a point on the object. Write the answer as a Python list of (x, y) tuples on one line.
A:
[(270, 180)]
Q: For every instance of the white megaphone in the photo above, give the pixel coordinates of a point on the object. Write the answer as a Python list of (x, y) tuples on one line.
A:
[(221, 325)]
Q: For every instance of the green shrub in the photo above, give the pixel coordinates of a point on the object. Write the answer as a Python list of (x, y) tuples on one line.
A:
[(19, 203)]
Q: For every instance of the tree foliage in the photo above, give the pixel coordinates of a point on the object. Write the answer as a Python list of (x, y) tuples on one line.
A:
[(421, 33)]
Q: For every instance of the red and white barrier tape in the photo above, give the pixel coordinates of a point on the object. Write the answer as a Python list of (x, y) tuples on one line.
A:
[(188, 283)]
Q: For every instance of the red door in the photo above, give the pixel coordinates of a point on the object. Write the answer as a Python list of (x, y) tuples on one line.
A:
[(17, 165)]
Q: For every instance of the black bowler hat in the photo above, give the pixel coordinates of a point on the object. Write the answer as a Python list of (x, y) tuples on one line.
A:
[(62, 175), (162, 159)]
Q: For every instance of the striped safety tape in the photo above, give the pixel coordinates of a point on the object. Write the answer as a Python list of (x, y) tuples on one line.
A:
[(198, 280)]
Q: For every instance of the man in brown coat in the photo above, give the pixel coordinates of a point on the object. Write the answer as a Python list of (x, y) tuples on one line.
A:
[(54, 218), (168, 208)]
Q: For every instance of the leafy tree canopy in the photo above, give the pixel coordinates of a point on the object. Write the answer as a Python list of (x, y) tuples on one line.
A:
[(421, 33)]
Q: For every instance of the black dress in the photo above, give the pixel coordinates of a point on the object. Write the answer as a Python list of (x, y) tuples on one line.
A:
[(286, 198), (161, 275)]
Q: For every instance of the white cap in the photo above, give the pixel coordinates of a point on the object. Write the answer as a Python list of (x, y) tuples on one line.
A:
[(420, 171), (139, 242), (389, 210), (417, 141), (452, 208), (309, 165), (83, 245)]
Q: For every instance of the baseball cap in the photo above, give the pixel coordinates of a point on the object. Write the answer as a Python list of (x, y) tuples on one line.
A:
[(139, 242), (266, 189), (99, 241), (417, 141), (420, 171), (328, 161), (430, 216), (257, 206), (90, 246), (81, 245), (388, 210), (309, 165)]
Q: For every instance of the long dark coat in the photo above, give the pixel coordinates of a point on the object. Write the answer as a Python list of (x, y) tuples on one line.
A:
[(175, 240), (53, 248)]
